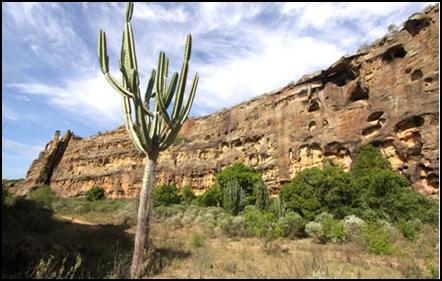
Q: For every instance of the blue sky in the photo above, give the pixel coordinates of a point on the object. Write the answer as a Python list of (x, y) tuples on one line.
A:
[(51, 78)]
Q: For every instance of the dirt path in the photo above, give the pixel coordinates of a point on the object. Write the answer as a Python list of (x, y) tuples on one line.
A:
[(74, 220)]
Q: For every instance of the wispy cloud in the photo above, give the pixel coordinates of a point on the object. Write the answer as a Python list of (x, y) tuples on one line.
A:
[(19, 149), (90, 100)]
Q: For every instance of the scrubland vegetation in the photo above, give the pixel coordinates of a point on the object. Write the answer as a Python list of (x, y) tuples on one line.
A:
[(324, 223)]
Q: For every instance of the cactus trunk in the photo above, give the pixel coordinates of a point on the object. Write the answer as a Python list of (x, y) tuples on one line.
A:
[(144, 217)]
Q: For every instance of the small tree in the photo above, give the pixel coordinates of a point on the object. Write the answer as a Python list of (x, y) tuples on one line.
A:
[(155, 128)]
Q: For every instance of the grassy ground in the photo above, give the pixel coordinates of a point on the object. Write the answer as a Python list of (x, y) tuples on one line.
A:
[(47, 236)]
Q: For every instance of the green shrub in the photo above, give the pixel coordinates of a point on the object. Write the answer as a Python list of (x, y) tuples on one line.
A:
[(197, 240), (245, 176), (407, 230), (353, 227), (389, 196), (259, 224), (369, 158), (95, 193), (233, 226), (315, 190), (316, 231), (233, 197), (43, 195), (291, 225), (334, 230), (187, 195), (262, 196), (377, 239), (211, 197), (167, 194)]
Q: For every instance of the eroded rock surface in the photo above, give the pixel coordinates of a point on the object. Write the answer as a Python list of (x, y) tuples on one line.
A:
[(386, 95)]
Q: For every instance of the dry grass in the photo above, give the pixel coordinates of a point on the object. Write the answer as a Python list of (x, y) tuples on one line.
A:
[(223, 257)]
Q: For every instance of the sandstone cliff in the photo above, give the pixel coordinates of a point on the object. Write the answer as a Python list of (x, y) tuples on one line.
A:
[(386, 94)]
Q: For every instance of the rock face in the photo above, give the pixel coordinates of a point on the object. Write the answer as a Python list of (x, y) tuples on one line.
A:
[(386, 95)]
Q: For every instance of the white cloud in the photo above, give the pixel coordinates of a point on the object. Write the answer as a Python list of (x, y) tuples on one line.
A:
[(19, 149), (89, 99), (157, 12)]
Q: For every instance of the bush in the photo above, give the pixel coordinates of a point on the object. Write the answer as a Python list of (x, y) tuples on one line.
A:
[(211, 197), (291, 225), (262, 195), (233, 197), (95, 193), (245, 176), (377, 239), (389, 196), (334, 230), (43, 195), (259, 224), (353, 227), (407, 230), (233, 226), (187, 195), (197, 240), (167, 194), (315, 190), (316, 231)]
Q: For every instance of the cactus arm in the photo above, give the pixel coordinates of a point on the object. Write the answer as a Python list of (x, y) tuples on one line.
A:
[(171, 89), (129, 125), (149, 89), (189, 101), (183, 77)]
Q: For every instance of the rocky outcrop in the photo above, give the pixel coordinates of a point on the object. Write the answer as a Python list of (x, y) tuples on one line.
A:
[(42, 168), (386, 94)]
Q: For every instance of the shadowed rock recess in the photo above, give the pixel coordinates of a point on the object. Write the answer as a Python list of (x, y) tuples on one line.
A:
[(386, 94)]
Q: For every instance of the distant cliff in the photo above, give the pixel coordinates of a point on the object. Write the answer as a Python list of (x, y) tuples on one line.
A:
[(386, 94)]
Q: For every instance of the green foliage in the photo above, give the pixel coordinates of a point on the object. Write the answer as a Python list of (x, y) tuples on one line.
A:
[(372, 190), (277, 206), (368, 158), (233, 226), (291, 225), (262, 196), (187, 194), (407, 230), (211, 197), (156, 127), (315, 190), (197, 240), (233, 197), (334, 230), (167, 194), (245, 176), (377, 239), (389, 196), (95, 193), (259, 223), (43, 195)]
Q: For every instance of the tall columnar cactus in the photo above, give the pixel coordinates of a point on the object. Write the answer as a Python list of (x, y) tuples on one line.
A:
[(233, 197), (262, 195), (155, 128), (278, 206)]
